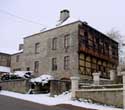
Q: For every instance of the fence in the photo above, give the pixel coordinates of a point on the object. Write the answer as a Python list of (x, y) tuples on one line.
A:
[(17, 85), (98, 90), (59, 86)]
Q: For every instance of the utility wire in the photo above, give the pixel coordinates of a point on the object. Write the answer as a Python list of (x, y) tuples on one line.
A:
[(21, 18)]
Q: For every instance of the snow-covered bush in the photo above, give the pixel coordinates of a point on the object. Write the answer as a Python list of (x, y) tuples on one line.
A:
[(43, 79), (23, 74)]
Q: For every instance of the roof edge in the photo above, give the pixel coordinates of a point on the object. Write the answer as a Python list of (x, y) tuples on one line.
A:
[(53, 28)]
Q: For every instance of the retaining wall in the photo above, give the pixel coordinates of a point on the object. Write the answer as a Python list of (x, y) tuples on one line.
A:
[(105, 96), (20, 85), (59, 86)]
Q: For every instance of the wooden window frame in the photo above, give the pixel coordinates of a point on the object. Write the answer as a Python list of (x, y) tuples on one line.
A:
[(54, 64), (67, 41), (66, 63), (37, 48), (54, 43), (36, 66)]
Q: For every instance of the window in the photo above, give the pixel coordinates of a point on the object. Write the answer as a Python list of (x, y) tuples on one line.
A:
[(66, 41), (17, 58), (37, 48), (36, 66), (54, 43), (86, 34), (16, 69), (54, 64), (66, 62), (28, 68)]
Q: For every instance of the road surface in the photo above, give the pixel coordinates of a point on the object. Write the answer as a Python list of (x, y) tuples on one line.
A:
[(9, 103)]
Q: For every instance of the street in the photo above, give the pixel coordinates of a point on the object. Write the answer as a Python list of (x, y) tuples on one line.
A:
[(8, 103)]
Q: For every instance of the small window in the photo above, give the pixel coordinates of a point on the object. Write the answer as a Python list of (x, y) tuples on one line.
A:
[(17, 58), (28, 69), (54, 43), (36, 66), (66, 63), (86, 34), (54, 64), (37, 48), (16, 69), (66, 41)]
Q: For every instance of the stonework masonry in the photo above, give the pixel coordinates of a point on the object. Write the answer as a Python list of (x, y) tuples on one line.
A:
[(28, 56)]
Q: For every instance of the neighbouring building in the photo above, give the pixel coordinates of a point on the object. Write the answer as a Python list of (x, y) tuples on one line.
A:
[(4, 63), (68, 49)]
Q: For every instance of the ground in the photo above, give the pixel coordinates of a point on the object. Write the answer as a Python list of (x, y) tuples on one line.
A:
[(9, 103), (62, 101)]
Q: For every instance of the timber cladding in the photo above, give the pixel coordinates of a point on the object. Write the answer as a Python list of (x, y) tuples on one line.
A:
[(97, 52)]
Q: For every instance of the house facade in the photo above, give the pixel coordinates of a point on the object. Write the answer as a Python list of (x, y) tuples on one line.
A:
[(5, 61), (72, 49)]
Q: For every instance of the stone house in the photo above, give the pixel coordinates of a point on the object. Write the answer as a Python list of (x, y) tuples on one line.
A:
[(68, 49), (4, 63)]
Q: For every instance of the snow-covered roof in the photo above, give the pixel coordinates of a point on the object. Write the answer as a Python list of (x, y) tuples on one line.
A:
[(59, 24), (42, 79), (21, 73), (17, 52), (4, 69), (56, 25), (68, 21)]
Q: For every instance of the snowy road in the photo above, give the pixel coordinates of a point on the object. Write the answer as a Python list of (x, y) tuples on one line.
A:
[(64, 99), (9, 103)]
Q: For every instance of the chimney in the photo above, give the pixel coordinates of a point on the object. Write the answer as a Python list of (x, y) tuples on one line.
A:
[(21, 46), (64, 15)]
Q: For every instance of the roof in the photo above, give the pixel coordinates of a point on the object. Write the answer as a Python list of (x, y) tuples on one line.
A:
[(99, 32), (58, 24), (18, 52), (5, 53), (69, 21), (4, 69)]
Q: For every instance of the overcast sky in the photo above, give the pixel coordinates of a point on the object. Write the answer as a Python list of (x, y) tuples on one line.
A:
[(21, 18)]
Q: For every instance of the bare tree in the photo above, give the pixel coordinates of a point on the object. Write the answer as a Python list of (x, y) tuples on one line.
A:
[(115, 35)]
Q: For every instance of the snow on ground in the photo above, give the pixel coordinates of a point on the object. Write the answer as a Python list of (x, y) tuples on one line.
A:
[(64, 98)]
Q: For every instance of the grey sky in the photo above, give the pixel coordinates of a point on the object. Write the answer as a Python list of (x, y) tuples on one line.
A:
[(101, 14)]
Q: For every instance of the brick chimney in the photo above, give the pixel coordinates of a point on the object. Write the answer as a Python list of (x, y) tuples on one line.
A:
[(21, 46), (64, 15)]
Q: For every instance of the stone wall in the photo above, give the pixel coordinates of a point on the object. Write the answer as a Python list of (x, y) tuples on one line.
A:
[(105, 96), (15, 85), (4, 59), (17, 65), (59, 86)]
